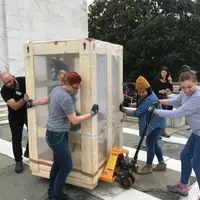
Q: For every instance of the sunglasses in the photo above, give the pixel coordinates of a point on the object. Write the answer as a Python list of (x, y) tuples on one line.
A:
[(76, 87)]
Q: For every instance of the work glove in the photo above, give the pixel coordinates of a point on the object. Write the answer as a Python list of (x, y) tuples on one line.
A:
[(154, 106), (95, 109), (121, 108), (151, 109), (156, 103), (126, 104), (29, 103)]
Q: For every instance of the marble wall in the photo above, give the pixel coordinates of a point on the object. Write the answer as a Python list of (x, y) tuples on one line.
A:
[(38, 20)]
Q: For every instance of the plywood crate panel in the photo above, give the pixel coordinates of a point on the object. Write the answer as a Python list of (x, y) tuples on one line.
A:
[(100, 65)]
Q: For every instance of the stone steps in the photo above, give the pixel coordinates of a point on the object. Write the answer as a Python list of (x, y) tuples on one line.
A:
[(3, 117), (3, 122), (3, 112), (2, 105)]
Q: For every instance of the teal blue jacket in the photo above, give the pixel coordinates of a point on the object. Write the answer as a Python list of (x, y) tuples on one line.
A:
[(142, 113)]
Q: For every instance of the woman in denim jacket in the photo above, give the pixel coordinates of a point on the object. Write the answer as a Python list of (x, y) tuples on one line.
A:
[(145, 98)]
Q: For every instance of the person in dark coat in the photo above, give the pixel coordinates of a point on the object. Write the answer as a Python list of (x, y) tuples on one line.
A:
[(162, 86)]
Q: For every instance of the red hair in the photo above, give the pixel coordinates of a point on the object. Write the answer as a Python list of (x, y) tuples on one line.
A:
[(71, 78)]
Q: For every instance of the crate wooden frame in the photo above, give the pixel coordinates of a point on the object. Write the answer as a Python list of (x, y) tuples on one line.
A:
[(87, 48)]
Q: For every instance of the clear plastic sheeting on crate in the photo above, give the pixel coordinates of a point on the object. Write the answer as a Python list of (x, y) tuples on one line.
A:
[(100, 46), (115, 99), (102, 101), (46, 71)]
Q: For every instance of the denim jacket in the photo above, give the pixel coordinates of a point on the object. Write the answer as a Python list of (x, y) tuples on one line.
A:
[(142, 113)]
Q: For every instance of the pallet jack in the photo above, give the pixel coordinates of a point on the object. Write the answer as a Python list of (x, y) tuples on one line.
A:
[(118, 167)]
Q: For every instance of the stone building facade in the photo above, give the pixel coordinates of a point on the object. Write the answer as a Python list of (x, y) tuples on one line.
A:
[(38, 20)]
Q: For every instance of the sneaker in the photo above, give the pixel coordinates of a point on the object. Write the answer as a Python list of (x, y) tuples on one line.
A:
[(164, 134), (177, 188), (145, 170), (19, 167), (160, 167), (26, 154)]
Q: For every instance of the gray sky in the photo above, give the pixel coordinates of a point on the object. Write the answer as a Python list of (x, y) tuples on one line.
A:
[(89, 1)]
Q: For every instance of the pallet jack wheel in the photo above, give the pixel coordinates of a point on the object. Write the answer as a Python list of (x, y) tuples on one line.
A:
[(126, 181)]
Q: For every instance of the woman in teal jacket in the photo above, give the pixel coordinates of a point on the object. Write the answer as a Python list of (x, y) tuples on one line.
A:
[(145, 98)]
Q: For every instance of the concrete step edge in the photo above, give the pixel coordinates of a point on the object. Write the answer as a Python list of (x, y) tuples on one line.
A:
[(4, 115), (3, 119), (4, 109), (3, 122)]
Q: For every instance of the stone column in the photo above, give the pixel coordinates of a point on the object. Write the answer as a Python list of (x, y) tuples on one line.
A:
[(4, 61)]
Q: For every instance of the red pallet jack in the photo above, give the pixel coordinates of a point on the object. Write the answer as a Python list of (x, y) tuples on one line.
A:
[(118, 167)]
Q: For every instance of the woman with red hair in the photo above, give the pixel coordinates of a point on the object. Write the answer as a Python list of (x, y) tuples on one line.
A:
[(61, 114)]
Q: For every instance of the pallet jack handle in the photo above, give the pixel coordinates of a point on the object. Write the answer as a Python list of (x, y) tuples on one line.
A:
[(151, 113), (118, 166)]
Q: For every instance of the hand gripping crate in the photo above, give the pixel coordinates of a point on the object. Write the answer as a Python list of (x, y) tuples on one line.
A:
[(100, 65)]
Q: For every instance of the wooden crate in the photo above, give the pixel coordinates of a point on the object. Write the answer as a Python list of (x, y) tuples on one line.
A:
[(100, 66)]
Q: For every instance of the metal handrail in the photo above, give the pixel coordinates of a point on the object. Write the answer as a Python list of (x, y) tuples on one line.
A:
[(129, 97)]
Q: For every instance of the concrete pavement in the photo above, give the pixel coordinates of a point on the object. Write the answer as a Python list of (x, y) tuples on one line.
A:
[(27, 187)]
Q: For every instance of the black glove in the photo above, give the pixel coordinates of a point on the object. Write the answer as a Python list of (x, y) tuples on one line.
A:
[(126, 104), (95, 109), (121, 108), (29, 103), (154, 105), (151, 109)]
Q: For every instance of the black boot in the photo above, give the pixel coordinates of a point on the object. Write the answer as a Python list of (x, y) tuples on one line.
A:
[(65, 197), (19, 167)]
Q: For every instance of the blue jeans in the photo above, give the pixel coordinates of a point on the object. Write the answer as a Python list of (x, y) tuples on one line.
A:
[(153, 148), (190, 158), (62, 164)]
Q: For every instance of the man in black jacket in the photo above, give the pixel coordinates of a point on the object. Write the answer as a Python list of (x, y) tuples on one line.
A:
[(14, 94)]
